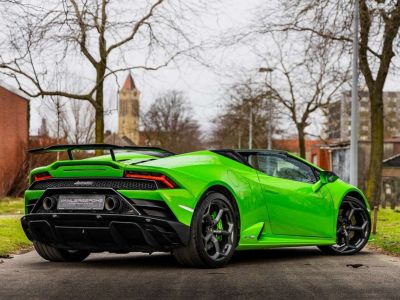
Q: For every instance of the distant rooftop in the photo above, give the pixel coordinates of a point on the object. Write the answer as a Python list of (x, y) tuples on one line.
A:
[(129, 84), (393, 161)]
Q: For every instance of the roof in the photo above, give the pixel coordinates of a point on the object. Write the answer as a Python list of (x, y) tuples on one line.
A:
[(13, 90), (393, 161), (395, 139), (129, 84), (346, 143)]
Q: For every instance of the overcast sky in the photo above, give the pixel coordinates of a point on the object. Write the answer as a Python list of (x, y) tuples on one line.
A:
[(202, 85)]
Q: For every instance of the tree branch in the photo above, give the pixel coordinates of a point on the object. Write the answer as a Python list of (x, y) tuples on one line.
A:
[(82, 40), (136, 27)]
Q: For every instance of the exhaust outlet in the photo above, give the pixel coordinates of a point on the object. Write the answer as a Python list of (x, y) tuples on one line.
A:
[(111, 204), (49, 203)]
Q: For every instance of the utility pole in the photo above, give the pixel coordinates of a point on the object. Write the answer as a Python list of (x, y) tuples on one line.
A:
[(269, 137), (354, 102)]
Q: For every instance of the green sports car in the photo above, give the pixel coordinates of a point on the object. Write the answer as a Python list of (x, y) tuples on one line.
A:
[(200, 206)]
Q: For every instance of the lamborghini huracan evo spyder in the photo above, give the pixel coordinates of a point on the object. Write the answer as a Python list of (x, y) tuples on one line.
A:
[(200, 206)]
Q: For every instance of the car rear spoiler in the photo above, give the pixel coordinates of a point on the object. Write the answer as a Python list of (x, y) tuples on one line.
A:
[(154, 151)]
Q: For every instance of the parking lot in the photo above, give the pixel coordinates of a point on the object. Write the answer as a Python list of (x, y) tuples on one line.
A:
[(277, 273)]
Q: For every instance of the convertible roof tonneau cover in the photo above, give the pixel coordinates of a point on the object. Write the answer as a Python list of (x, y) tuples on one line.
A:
[(154, 151), (237, 154)]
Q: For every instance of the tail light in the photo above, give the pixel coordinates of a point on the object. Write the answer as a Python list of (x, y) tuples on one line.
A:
[(163, 180), (41, 176)]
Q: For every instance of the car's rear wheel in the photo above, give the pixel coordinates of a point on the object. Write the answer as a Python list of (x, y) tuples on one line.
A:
[(353, 228), (59, 255), (214, 234)]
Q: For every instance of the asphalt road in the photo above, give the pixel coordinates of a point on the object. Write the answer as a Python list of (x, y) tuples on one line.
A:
[(273, 274)]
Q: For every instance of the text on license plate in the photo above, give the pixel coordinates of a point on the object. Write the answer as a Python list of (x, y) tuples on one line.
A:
[(81, 202)]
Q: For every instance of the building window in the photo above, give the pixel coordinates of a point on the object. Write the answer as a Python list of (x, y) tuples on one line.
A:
[(124, 108)]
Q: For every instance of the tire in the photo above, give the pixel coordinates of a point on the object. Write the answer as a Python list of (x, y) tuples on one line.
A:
[(353, 228), (59, 255), (214, 227)]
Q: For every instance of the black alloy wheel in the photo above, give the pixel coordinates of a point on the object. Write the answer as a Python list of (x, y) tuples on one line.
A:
[(217, 230), (353, 228), (214, 233)]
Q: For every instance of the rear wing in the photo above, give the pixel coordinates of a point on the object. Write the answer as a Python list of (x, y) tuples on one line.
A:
[(154, 151)]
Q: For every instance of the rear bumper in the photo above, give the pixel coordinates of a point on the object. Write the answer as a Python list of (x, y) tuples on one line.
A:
[(180, 201), (105, 232)]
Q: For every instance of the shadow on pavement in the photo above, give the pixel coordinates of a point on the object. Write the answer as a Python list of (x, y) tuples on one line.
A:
[(164, 261), (281, 255)]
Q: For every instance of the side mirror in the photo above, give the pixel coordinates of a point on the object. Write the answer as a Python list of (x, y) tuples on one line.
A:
[(324, 178), (327, 176)]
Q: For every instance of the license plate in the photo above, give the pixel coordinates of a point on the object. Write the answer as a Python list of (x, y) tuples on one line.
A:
[(80, 202)]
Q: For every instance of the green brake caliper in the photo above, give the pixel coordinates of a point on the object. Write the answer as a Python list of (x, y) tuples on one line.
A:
[(219, 225)]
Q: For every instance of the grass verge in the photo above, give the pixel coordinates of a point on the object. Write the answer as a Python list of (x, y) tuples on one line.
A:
[(11, 206), (12, 237), (387, 235)]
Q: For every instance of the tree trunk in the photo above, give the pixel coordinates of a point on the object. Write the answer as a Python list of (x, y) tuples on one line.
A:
[(99, 125), (374, 179), (101, 70), (301, 139), (99, 115)]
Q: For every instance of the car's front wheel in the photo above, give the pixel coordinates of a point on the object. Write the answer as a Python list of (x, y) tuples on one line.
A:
[(214, 234), (353, 228), (59, 255)]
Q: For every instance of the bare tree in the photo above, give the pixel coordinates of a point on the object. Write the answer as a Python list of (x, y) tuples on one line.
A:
[(78, 122), (305, 76), (231, 126), (70, 120), (329, 22), (307, 83), (54, 112), (38, 35), (169, 123)]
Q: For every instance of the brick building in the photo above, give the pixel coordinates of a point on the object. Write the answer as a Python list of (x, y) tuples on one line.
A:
[(336, 157), (14, 135), (292, 145)]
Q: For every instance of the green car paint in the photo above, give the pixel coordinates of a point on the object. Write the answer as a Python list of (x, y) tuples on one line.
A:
[(273, 212)]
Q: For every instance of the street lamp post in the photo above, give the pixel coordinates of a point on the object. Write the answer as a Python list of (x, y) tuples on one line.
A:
[(251, 126), (354, 103), (269, 138), (270, 115)]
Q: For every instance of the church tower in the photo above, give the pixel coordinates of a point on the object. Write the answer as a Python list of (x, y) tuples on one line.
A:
[(128, 112)]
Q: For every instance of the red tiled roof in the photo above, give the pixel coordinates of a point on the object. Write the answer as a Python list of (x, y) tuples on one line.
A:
[(129, 84)]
